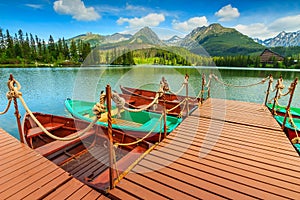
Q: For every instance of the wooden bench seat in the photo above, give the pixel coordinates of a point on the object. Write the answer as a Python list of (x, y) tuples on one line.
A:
[(57, 145), (38, 131)]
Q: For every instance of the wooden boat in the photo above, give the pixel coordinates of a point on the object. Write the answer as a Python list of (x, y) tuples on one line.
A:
[(152, 94), (289, 129), (86, 157), (137, 124), (281, 110), (137, 102)]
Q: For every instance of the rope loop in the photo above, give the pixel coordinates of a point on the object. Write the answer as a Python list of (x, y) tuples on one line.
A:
[(13, 91)]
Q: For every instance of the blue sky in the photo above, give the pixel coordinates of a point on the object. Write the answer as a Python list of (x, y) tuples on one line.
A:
[(68, 18)]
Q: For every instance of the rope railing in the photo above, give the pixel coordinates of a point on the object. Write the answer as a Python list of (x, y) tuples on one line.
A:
[(7, 107), (278, 88), (291, 121), (240, 86), (17, 94), (179, 104), (121, 103), (143, 138)]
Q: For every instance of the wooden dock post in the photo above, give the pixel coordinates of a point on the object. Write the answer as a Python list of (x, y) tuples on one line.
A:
[(276, 95), (187, 98), (293, 85), (202, 88), (165, 116), (268, 90), (17, 114), (109, 126)]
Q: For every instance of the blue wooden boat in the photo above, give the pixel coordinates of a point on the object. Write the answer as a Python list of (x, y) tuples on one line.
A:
[(137, 124)]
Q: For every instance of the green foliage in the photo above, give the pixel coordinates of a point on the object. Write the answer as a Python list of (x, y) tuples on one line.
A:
[(28, 50)]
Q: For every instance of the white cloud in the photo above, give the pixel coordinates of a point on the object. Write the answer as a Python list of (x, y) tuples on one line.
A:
[(152, 19), (135, 8), (35, 6), (289, 23), (257, 30), (77, 9), (227, 13), (190, 24), (264, 31)]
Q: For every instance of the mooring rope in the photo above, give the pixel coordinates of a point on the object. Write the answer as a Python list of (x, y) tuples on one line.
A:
[(7, 108), (120, 103), (141, 139), (9, 96), (279, 86), (241, 86), (16, 94), (179, 104), (291, 121)]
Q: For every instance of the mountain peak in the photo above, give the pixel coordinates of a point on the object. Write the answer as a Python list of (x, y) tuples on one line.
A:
[(146, 35), (283, 39)]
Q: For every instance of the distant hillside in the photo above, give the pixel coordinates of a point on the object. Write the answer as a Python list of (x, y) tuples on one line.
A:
[(220, 41), (93, 39), (98, 40)]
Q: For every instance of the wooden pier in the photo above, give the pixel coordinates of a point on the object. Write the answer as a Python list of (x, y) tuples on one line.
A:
[(25, 174), (224, 150)]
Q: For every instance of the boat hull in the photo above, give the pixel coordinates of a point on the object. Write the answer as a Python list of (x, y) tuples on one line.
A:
[(136, 124), (289, 129), (87, 157), (170, 100), (281, 110)]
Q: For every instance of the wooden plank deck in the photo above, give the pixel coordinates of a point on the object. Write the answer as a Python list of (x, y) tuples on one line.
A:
[(24, 174), (224, 150)]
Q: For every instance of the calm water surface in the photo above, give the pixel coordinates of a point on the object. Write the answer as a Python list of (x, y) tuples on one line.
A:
[(45, 89)]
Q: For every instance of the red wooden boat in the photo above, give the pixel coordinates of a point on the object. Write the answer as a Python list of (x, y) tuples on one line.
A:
[(85, 157), (140, 98), (137, 102)]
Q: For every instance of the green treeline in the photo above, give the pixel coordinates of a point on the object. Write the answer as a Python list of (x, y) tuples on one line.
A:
[(26, 49), (165, 56), (254, 61)]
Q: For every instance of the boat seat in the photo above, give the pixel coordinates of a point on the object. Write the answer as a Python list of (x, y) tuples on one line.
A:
[(57, 145), (33, 132), (38, 131)]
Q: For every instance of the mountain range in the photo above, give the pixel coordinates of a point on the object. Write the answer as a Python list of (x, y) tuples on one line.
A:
[(282, 39), (214, 40)]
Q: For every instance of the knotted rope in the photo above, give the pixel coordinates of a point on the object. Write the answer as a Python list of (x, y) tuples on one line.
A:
[(16, 94)]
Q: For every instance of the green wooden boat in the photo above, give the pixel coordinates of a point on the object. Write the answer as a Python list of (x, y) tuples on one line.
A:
[(137, 124), (280, 110), (289, 129)]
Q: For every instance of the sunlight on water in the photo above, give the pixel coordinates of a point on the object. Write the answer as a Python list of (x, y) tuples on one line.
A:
[(45, 89)]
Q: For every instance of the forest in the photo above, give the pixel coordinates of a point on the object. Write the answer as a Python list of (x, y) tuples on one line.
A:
[(27, 50)]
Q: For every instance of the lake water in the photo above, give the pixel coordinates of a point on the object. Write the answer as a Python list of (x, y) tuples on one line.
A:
[(45, 89)]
